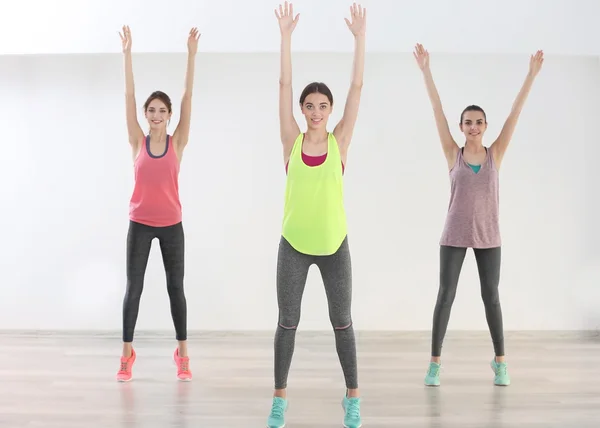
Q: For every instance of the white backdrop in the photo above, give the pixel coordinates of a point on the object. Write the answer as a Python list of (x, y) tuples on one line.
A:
[(67, 180), (564, 27)]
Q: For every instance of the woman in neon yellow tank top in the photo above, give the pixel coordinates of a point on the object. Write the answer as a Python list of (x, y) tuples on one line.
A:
[(314, 220)]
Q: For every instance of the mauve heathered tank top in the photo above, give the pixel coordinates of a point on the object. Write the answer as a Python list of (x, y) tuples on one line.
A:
[(473, 212)]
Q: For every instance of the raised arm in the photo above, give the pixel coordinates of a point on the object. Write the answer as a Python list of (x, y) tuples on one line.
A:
[(182, 132), (449, 146), (288, 127), (345, 128), (133, 127), (501, 144)]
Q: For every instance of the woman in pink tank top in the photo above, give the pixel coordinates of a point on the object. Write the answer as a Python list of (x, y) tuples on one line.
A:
[(472, 220), (155, 208)]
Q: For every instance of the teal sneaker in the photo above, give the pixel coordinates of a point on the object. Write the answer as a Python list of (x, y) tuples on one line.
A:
[(502, 378), (432, 378), (276, 418), (351, 407)]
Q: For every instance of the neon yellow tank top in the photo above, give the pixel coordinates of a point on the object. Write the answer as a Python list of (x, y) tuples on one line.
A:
[(314, 220)]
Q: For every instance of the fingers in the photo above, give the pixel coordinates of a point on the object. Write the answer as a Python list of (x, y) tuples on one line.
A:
[(194, 33), (419, 49), (357, 11), (284, 11)]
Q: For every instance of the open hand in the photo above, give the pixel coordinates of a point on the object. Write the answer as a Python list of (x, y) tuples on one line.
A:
[(358, 25), (422, 56), (535, 63), (193, 40), (126, 39), (285, 16)]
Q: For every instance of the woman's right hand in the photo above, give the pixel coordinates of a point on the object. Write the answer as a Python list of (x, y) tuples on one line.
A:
[(422, 57), (126, 39), (285, 16)]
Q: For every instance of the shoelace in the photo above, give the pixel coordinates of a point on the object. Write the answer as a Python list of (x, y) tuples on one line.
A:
[(123, 366), (500, 369), (353, 410), (277, 411), (433, 371), (183, 365)]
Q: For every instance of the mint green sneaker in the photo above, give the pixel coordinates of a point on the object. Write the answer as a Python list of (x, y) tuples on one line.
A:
[(500, 369), (276, 418), (352, 417), (433, 375)]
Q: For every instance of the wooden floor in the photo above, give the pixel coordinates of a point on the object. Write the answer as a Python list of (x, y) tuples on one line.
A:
[(68, 381)]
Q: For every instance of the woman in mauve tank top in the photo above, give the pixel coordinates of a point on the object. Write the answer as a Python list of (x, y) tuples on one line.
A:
[(472, 220), (155, 208)]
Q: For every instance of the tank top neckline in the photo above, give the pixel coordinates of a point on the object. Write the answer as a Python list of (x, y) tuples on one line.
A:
[(483, 164), (149, 152)]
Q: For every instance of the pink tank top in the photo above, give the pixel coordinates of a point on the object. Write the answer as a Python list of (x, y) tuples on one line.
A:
[(155, 199), (473, 213)]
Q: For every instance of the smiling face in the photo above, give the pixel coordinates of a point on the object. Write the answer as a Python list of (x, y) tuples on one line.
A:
[(157, 110), (316, 109), (473, 124), (157, 114), (316, 103)]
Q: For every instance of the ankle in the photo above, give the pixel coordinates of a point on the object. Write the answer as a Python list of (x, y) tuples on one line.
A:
[(127, 350), (281, 393), (500, 359), (436, 360), (182, 349), (352, 393)]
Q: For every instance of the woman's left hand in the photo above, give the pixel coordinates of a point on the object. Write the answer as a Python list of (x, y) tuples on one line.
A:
[(193, 40), (359, 20), (535, 63)]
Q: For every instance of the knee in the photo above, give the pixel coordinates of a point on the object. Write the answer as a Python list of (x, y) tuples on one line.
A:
[(490, 296), (289, 320), (133, 293), (342, 326), (446, 297), (341, 322), (175, 284)]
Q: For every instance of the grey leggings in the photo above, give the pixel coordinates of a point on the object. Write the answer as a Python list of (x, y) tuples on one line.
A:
[(172, 247), (336, 271), (488, 264)]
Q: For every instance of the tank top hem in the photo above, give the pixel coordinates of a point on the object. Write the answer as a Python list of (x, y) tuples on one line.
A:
[(153, 222), (312, 251), (474, 245)]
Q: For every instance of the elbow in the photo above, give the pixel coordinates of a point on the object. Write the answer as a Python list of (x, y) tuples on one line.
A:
[(357, 84)]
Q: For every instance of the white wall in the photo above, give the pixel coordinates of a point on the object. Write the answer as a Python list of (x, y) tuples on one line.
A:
[(568, 27), (68, 178)]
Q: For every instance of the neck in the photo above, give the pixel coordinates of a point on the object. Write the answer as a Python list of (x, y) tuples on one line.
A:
[(474, 146), (315, 135), (158, 136)]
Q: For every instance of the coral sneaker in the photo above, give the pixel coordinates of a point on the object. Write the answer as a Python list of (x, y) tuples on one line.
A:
[(124, 374), (183, 366)]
